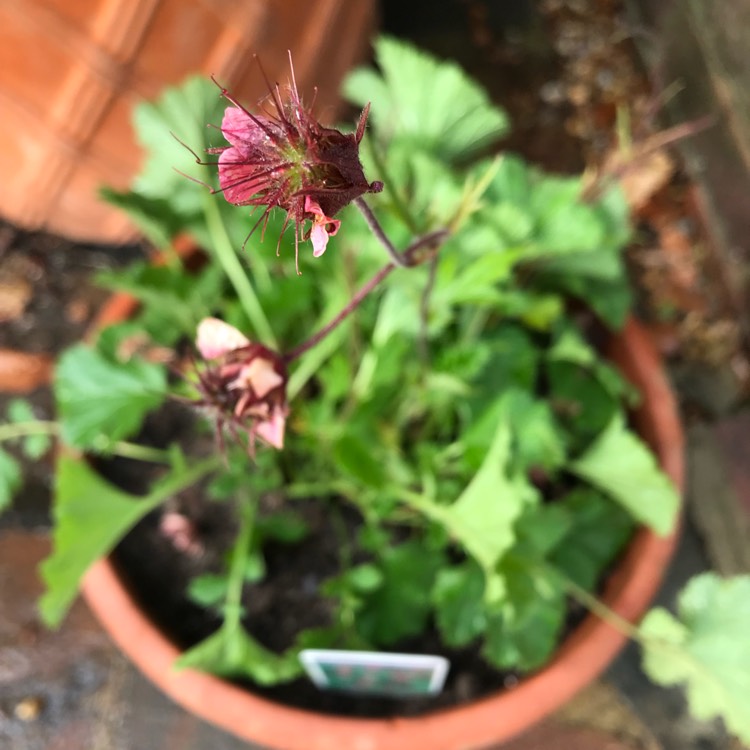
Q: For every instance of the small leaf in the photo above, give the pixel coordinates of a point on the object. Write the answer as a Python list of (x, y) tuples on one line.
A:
[(98, 398), (399, 607), (208, 589), (232, 652), (597, 531), (33, 446), (539, 441), (20, 410), (458, 596), (10, 478), (482, 518), (622, 467), (355, 457), (283, 526), (524, 629), (706, 647), (255, 568), (542, 527), (364, 578)]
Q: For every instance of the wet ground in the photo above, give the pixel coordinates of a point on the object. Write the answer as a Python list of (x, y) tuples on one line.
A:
[(561, 67)]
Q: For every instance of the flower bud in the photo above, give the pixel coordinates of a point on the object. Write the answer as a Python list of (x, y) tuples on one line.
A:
[(243, 384)]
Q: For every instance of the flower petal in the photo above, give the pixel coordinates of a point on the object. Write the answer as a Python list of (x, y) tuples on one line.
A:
[(272, 430), (323, 226), (258, 375), (215, 338), (243, 131)]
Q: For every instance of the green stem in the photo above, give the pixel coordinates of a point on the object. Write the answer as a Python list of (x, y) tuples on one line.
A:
[(53, 429), (226, 255), (25, 429), (233, 601), (602, 611), (139, 452)]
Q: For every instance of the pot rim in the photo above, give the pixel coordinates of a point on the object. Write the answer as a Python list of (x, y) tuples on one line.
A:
[(580, 659)]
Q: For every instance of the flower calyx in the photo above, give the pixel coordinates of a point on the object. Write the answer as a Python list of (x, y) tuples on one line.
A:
[(283, 157)]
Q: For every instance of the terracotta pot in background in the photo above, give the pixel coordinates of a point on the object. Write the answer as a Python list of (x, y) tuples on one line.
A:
[(71, 71), (493, 719), (23, 372)]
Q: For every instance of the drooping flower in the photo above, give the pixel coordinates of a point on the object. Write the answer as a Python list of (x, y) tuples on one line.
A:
[(242, 384), (283, 157)]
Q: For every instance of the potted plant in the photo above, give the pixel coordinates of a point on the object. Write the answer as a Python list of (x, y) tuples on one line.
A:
[(426, 452)]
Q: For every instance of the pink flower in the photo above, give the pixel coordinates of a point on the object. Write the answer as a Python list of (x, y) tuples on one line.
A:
[(283, 157), (243, 384), (323, 226)]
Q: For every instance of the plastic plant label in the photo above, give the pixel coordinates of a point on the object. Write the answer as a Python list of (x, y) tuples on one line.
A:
[(374, 672)]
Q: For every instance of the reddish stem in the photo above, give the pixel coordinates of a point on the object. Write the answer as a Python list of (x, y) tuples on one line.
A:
[(427, 240)]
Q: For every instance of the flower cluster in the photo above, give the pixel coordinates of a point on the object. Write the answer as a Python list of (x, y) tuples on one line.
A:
[(283, 157), (242, 385)]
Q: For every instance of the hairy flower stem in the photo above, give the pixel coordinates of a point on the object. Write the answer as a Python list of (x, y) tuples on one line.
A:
[(428, 240), (396, 258)]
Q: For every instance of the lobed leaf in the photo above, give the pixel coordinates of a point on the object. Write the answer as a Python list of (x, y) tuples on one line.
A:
[(90, 516), (621, 466), (431, 100), (706, 647), (102, 400)]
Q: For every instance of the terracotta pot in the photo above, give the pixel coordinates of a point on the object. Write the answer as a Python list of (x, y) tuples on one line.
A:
[(71, 71), (23, 372), (580, 659)]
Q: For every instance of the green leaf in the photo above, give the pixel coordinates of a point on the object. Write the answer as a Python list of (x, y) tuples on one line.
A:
[(208, 589), (565, 224), (458, 597), (706, 647), (539, 441), (432, 101), (524, 628), (232, 652), (542, 527), (100, 400), (20, 410), (174, 299), (286, 527), (400, 605), (622, 467), (364, 578), (482, 518), (581, 402), (597, 279), (33, 446), (157, 218), (10, 478), (90, 517), (185, 111), (355, 457), (597, 531)]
